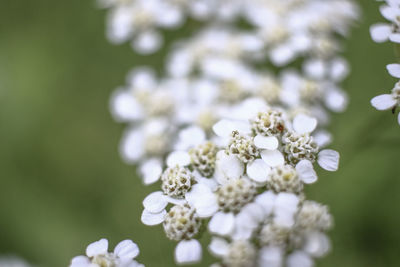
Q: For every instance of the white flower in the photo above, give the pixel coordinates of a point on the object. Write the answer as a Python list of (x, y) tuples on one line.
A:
[(97, 255), (389, 101)]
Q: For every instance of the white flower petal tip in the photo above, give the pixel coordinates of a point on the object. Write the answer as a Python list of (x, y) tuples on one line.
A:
[(180, 158), (258, 171), (304, 124), (222, 223), (264, 142), (203, 200), (395, 37), (188, 251), (380, 32), (149, 218), (223, 128), (151, 171), (317, 244), (155, 202), (398, 118), (97, 248), (218, 247), (328, 159), (271, 257), (126, 250), (80, 261), (394, 70), (383, 102), (273, 157), (299, 259), (306, 172)]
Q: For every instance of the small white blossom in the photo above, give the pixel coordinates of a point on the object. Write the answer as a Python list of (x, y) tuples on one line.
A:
[(97, 255)]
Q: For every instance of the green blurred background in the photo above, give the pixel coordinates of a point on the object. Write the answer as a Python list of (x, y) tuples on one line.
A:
[(63, 184)]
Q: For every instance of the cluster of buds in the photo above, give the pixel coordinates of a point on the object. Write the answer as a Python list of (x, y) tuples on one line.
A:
[(381, 32), (233, 140)]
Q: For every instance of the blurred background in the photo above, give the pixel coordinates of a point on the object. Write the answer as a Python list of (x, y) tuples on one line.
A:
[(63, 184)]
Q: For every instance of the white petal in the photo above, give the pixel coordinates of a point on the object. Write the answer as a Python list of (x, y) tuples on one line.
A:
[(271, 257), (180, 158), (203, 200), (317, 244), (394, 70), (382, 102), (395, 37), (339, 69), (147, 42), (380, 32), (272, 157), (258, 171), (285, 208), (227, 167), (131, 146), (223, 128), (222, 223), (328, 159), (218, 247), (149, 218), (254, 213), (389, 11), (299, 259), (126, 250), (97, 248), (210, 183), (306, 171), (188, 251), (267, 201), (124, 106), (336, 100), (80, 261), (176, 201), (264, 142), (190, 137), (155, 202), (282, 55), (315, 68), (304, 124), (322, 138), (142, 79), (151, 170)]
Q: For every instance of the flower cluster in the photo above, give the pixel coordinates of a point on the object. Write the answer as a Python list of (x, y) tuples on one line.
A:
[(252, 193), (285, 29), (381, 32), (236, 124), (97, 255)]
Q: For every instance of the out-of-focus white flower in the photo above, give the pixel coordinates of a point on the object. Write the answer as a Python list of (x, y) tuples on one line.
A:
[(389, 101), (97, 255), (13, 261)]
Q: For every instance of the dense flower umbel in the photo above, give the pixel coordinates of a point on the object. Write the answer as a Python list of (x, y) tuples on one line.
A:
[(234, 144), (243, 195)]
